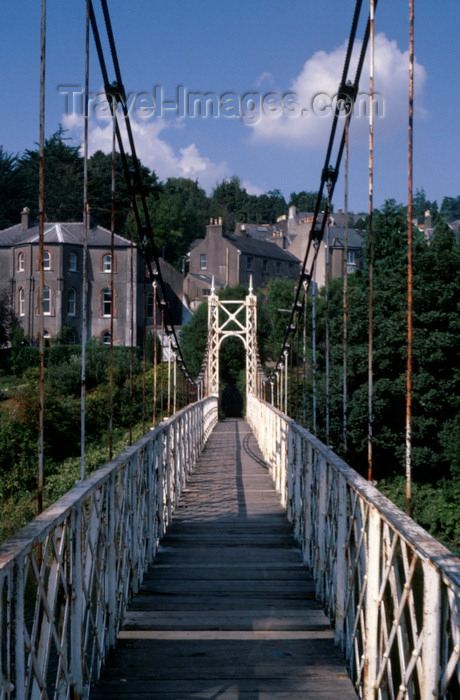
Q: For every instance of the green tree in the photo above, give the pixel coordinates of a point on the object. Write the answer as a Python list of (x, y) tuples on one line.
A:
[(11, 202), (421, 205), (231, 201), (179, 213), (100, 189), (306, 201), (8, 320), (63, 179), (450, 208)]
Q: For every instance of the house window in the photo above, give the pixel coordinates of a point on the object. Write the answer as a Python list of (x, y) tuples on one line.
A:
[(205, 292), (72, 302), (22, 302), (46, 260), (278, 269), (106, 302), (351, 257), (107, 263), (73, 262), (264, 266), (249, 266), (47, 301), (291, 270), (203, 261), (149, 305), (72, 337), (21, 262), (106, 338), (47, 337)]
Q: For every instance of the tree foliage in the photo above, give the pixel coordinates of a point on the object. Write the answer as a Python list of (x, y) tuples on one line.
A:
[(436, 372), (231, 201), (306, 201)]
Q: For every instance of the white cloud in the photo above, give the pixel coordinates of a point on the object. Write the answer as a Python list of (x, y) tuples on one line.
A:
[(265, 77), (152, 150), (309, 122), (252, 189)]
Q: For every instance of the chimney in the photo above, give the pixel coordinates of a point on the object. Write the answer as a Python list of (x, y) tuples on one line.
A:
[(215, 227), (25, 223)]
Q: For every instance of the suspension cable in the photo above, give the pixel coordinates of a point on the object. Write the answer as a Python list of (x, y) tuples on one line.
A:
[(84, 324), (112, 290), (346, 97), (313, 351), (370, 368), (410, 264), (345, 297), (41, 243), (131, 325), (116, 94), (155, 363), (326, 311)]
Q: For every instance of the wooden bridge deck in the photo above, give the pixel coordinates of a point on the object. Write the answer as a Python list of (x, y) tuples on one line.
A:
[(227, 610)]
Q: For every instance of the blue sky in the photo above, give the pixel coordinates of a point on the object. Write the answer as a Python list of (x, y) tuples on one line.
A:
[(290, 50)]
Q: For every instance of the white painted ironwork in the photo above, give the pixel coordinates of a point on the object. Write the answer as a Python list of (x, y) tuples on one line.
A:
[(66, 578), (391, 590), (228, 318)]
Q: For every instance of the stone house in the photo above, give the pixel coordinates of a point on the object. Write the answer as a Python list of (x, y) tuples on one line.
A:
[(63, 293), (232, 259)]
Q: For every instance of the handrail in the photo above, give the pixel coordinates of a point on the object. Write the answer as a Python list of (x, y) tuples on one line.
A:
[(66, 577), (391, 590)]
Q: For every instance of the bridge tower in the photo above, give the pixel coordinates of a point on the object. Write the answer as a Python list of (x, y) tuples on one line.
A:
[(232, 318)]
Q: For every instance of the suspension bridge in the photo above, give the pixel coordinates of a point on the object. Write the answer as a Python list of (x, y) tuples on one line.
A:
[(231, 559)]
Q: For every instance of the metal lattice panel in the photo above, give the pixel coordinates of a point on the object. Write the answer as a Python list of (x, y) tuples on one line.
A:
[(66, 578), (391, 590)]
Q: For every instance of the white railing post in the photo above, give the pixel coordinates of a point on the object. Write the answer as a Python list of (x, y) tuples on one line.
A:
[(111, 569), (321, 527), (431, 647), (16, 586), (77, 605), (372, 604), (341, 563)]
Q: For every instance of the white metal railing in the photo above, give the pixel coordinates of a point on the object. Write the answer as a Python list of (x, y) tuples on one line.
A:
[(391, 590), (66, 578)]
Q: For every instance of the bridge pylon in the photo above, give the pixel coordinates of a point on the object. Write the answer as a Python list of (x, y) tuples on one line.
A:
[(237, 318)]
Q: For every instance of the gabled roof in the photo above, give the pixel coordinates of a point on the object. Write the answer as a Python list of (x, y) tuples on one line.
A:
[(264, 249), (71, 232)]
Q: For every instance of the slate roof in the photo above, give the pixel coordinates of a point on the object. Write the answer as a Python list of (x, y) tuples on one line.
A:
[(337, 233), (205, 279), (260, 231), (264, 249), (71, 232)]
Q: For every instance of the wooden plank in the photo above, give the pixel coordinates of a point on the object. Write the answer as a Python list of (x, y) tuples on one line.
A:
[(227, 610)]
